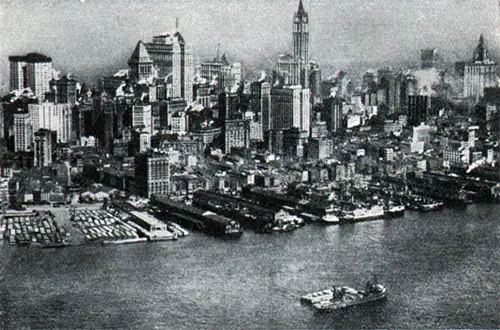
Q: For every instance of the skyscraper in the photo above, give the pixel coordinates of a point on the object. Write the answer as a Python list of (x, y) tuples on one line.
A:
[(34, 71), (141, 118), (43, 148), (294, 68), (227, 74), (168, 57), (290, 107), (480, 73), (152, 174), (54, 117), (418, 109), (260, 103), (301, 43), (23, 132), (63, 90)]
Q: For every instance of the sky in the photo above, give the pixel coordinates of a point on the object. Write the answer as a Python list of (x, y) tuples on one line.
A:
[(93, 38)]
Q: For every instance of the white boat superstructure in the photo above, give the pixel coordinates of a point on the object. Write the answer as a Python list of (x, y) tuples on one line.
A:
[(364, 213)]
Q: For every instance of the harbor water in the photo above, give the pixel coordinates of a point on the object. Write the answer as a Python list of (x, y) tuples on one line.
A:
[(441, 269)]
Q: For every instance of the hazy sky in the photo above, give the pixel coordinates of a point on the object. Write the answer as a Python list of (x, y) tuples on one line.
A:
[(91, 38)]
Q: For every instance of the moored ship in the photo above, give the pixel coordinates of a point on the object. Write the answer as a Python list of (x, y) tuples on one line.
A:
[(430, 206), (364, 213), (344, 296), (331, 216), (394, 211)]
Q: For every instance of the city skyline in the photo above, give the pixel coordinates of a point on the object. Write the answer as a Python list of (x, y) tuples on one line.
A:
[(76, 33)]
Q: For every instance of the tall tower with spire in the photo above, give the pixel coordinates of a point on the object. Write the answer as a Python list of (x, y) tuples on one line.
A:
[(301, 43), (480, 73)]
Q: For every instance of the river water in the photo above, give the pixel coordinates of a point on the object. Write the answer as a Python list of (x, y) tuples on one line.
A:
[(441, 270)]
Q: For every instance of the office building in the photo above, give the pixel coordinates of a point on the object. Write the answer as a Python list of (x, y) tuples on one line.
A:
[(290, 107), (333, 115), (260, 103), (428, 58), (142, 118), (43, 147), (226, 74), (480, 73), (301, 44), (54, 117), (32, 70), (152, 174), (63, 90), (294, 68), (229, 106), (236, 134), (23, 132), (315, 84), (168, 56), (418, 109)]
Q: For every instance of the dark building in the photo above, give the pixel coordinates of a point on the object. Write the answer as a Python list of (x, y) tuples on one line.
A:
[(229, 106), (428, 58), (315, 84), (333, 115), (63, 90), (2, 127), (44, 147), (274, 140), (418, 109), (260, 102), (167, 109), (293, 142)]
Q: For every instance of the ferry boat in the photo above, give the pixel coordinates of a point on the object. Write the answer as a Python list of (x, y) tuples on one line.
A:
[(345, 296), (363, 213)]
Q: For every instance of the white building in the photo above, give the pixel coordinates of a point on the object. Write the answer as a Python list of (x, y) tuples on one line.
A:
[(142, 118), (53, 117), (34, 71), (179, 123), (23, 132)]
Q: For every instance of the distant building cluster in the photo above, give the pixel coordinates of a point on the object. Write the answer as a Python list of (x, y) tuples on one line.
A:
[(167, 126)]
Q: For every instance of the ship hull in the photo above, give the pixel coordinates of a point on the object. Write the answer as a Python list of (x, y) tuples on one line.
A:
[(332, 306), (364, 218)]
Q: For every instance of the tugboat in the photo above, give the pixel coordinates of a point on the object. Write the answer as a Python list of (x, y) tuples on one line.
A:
[(342, 297)]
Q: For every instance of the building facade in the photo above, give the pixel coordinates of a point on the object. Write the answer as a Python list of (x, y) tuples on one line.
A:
[(152, 174), (142, 118), (167, 57), (480, 73), (290, 107), (43, 148), (54, 117), (236, 134), (23, 132), (32, 70)]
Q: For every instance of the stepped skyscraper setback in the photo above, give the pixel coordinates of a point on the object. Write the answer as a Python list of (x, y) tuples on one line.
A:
[(167, 58)]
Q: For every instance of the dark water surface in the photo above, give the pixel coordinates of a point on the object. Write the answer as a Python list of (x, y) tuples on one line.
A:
[(441, 270)]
